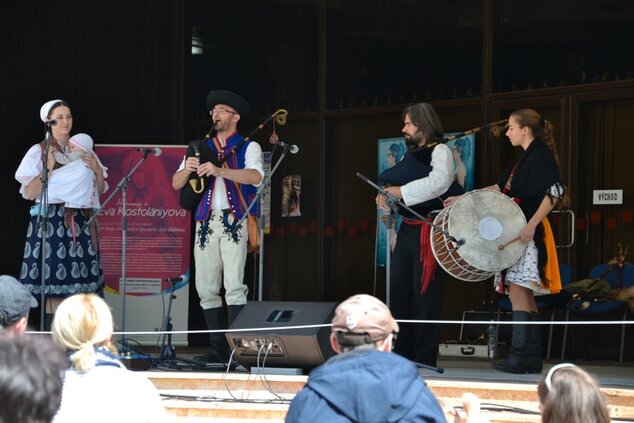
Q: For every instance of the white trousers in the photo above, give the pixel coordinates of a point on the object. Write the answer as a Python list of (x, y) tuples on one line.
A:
[(220, 259)]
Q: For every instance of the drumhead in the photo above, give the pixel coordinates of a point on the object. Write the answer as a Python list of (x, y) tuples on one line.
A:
[(485, 219)]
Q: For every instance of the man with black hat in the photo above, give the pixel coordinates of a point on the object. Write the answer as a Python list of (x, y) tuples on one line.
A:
[(15, 303), (365, 382), (220, 248)]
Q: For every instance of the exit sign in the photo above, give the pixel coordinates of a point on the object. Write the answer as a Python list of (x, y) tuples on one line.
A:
[(607, 196)]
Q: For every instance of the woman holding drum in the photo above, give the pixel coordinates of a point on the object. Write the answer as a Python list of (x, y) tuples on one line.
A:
[(534, 183)]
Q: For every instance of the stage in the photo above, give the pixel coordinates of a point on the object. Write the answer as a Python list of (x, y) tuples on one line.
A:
[(242, 396)]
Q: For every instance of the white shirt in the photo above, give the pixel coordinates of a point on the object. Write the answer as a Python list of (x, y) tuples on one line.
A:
[(436, 183), (109, 394)]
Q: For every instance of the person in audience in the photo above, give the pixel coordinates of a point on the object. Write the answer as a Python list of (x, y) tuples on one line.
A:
[(15, 303), (365, 381), (570, 394), (83, 326), (31, 369)]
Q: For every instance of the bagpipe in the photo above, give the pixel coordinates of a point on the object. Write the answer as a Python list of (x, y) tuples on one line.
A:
[(192, 192), (416, 165), (598, 290)]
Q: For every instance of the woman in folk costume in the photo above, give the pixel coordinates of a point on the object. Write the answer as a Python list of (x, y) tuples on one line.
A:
[(72, 264), (534, 183)]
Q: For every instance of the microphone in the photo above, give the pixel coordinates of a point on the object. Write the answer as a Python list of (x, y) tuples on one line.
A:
[(275, 140), (181, 278), (290, 147), (155, 151), (51, 122), (177, 282)]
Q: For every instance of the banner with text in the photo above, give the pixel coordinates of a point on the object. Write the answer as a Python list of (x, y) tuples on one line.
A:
[(144, 234)]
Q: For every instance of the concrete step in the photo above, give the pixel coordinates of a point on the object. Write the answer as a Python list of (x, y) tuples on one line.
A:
[(247, 397)]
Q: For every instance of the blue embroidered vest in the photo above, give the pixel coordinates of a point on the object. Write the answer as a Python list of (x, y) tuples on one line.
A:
[(236, 161)]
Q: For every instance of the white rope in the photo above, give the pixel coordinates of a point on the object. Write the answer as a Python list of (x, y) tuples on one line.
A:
[(438, 322), (441, 322)]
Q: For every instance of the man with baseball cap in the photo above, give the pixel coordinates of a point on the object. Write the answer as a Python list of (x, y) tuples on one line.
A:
[(220, 248), (15, 303), (365, 382)]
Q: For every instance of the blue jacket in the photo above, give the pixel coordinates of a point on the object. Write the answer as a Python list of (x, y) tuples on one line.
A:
[(365, 386)]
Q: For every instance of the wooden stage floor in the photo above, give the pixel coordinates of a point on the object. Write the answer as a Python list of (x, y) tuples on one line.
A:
[(240, 395)]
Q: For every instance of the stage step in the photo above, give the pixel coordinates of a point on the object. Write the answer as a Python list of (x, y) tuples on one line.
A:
[(247, 397)]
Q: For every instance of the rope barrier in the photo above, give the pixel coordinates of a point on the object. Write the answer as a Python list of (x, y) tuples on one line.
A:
[(441, 322)]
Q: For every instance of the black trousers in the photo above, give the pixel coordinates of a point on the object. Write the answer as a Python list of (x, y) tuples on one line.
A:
[(417, 342)]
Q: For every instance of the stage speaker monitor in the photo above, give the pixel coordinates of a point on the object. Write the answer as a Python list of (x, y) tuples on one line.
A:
[(304, 348)]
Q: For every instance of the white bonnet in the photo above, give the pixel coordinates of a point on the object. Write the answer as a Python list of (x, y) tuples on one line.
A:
[(83, 141), (46, 109)]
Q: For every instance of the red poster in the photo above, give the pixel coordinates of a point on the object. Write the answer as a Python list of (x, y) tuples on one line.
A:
[(158, 230)]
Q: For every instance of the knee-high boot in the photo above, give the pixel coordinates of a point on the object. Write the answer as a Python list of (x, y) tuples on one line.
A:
[(219, 352), (232, 312), (535, 361), (521, 356)]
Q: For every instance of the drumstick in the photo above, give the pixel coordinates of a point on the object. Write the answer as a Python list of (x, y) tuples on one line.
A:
[(503, 246)]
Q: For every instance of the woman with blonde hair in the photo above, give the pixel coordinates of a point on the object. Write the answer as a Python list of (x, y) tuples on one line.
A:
[(83, 326)]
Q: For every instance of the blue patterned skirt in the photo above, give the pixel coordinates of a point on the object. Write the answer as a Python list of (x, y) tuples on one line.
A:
[(72, 263)]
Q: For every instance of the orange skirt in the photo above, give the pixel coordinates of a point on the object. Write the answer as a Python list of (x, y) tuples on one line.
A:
[(551, 271)]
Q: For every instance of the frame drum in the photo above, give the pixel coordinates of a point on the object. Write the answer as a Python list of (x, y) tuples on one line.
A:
[(484, 219)]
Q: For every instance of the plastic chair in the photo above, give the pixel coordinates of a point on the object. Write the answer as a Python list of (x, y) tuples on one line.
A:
[(596, 308), (544, 302)]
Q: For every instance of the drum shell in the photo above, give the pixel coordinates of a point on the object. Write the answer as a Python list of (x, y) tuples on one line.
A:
[(484, 219)]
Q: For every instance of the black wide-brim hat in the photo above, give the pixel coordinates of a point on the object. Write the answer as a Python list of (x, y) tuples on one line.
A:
[(230, 99)]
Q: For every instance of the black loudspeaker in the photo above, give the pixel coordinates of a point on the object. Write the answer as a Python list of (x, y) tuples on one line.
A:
[(303, 348)]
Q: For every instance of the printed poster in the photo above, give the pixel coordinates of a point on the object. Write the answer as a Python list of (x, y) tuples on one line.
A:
[(291, 195), (156, 247), (392, 150)]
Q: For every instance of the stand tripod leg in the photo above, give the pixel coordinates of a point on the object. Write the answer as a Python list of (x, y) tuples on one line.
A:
[(167, 355)]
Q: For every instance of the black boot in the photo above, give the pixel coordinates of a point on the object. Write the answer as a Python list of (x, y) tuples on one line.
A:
[(232, 313), (219, 352), (521, 357), (535, 360)]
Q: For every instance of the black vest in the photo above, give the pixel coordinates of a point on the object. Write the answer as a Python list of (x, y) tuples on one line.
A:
[(416, 164)]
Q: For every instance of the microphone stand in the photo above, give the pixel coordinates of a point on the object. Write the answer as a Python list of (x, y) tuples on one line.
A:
[(123, 187), (167, 352), (389, 222), (42, 219), (392, 201), (258, 193)]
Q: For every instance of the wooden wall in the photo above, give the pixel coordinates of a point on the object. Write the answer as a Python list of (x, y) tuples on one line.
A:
[(122, 67)]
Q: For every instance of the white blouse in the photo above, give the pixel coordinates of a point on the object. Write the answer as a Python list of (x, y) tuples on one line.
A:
[(73, 184)]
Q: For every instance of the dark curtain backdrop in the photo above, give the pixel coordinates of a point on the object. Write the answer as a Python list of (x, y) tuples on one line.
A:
[(116, 63)]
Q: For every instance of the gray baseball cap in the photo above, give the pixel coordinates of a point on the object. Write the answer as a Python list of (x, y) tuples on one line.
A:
[(15, 300)]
